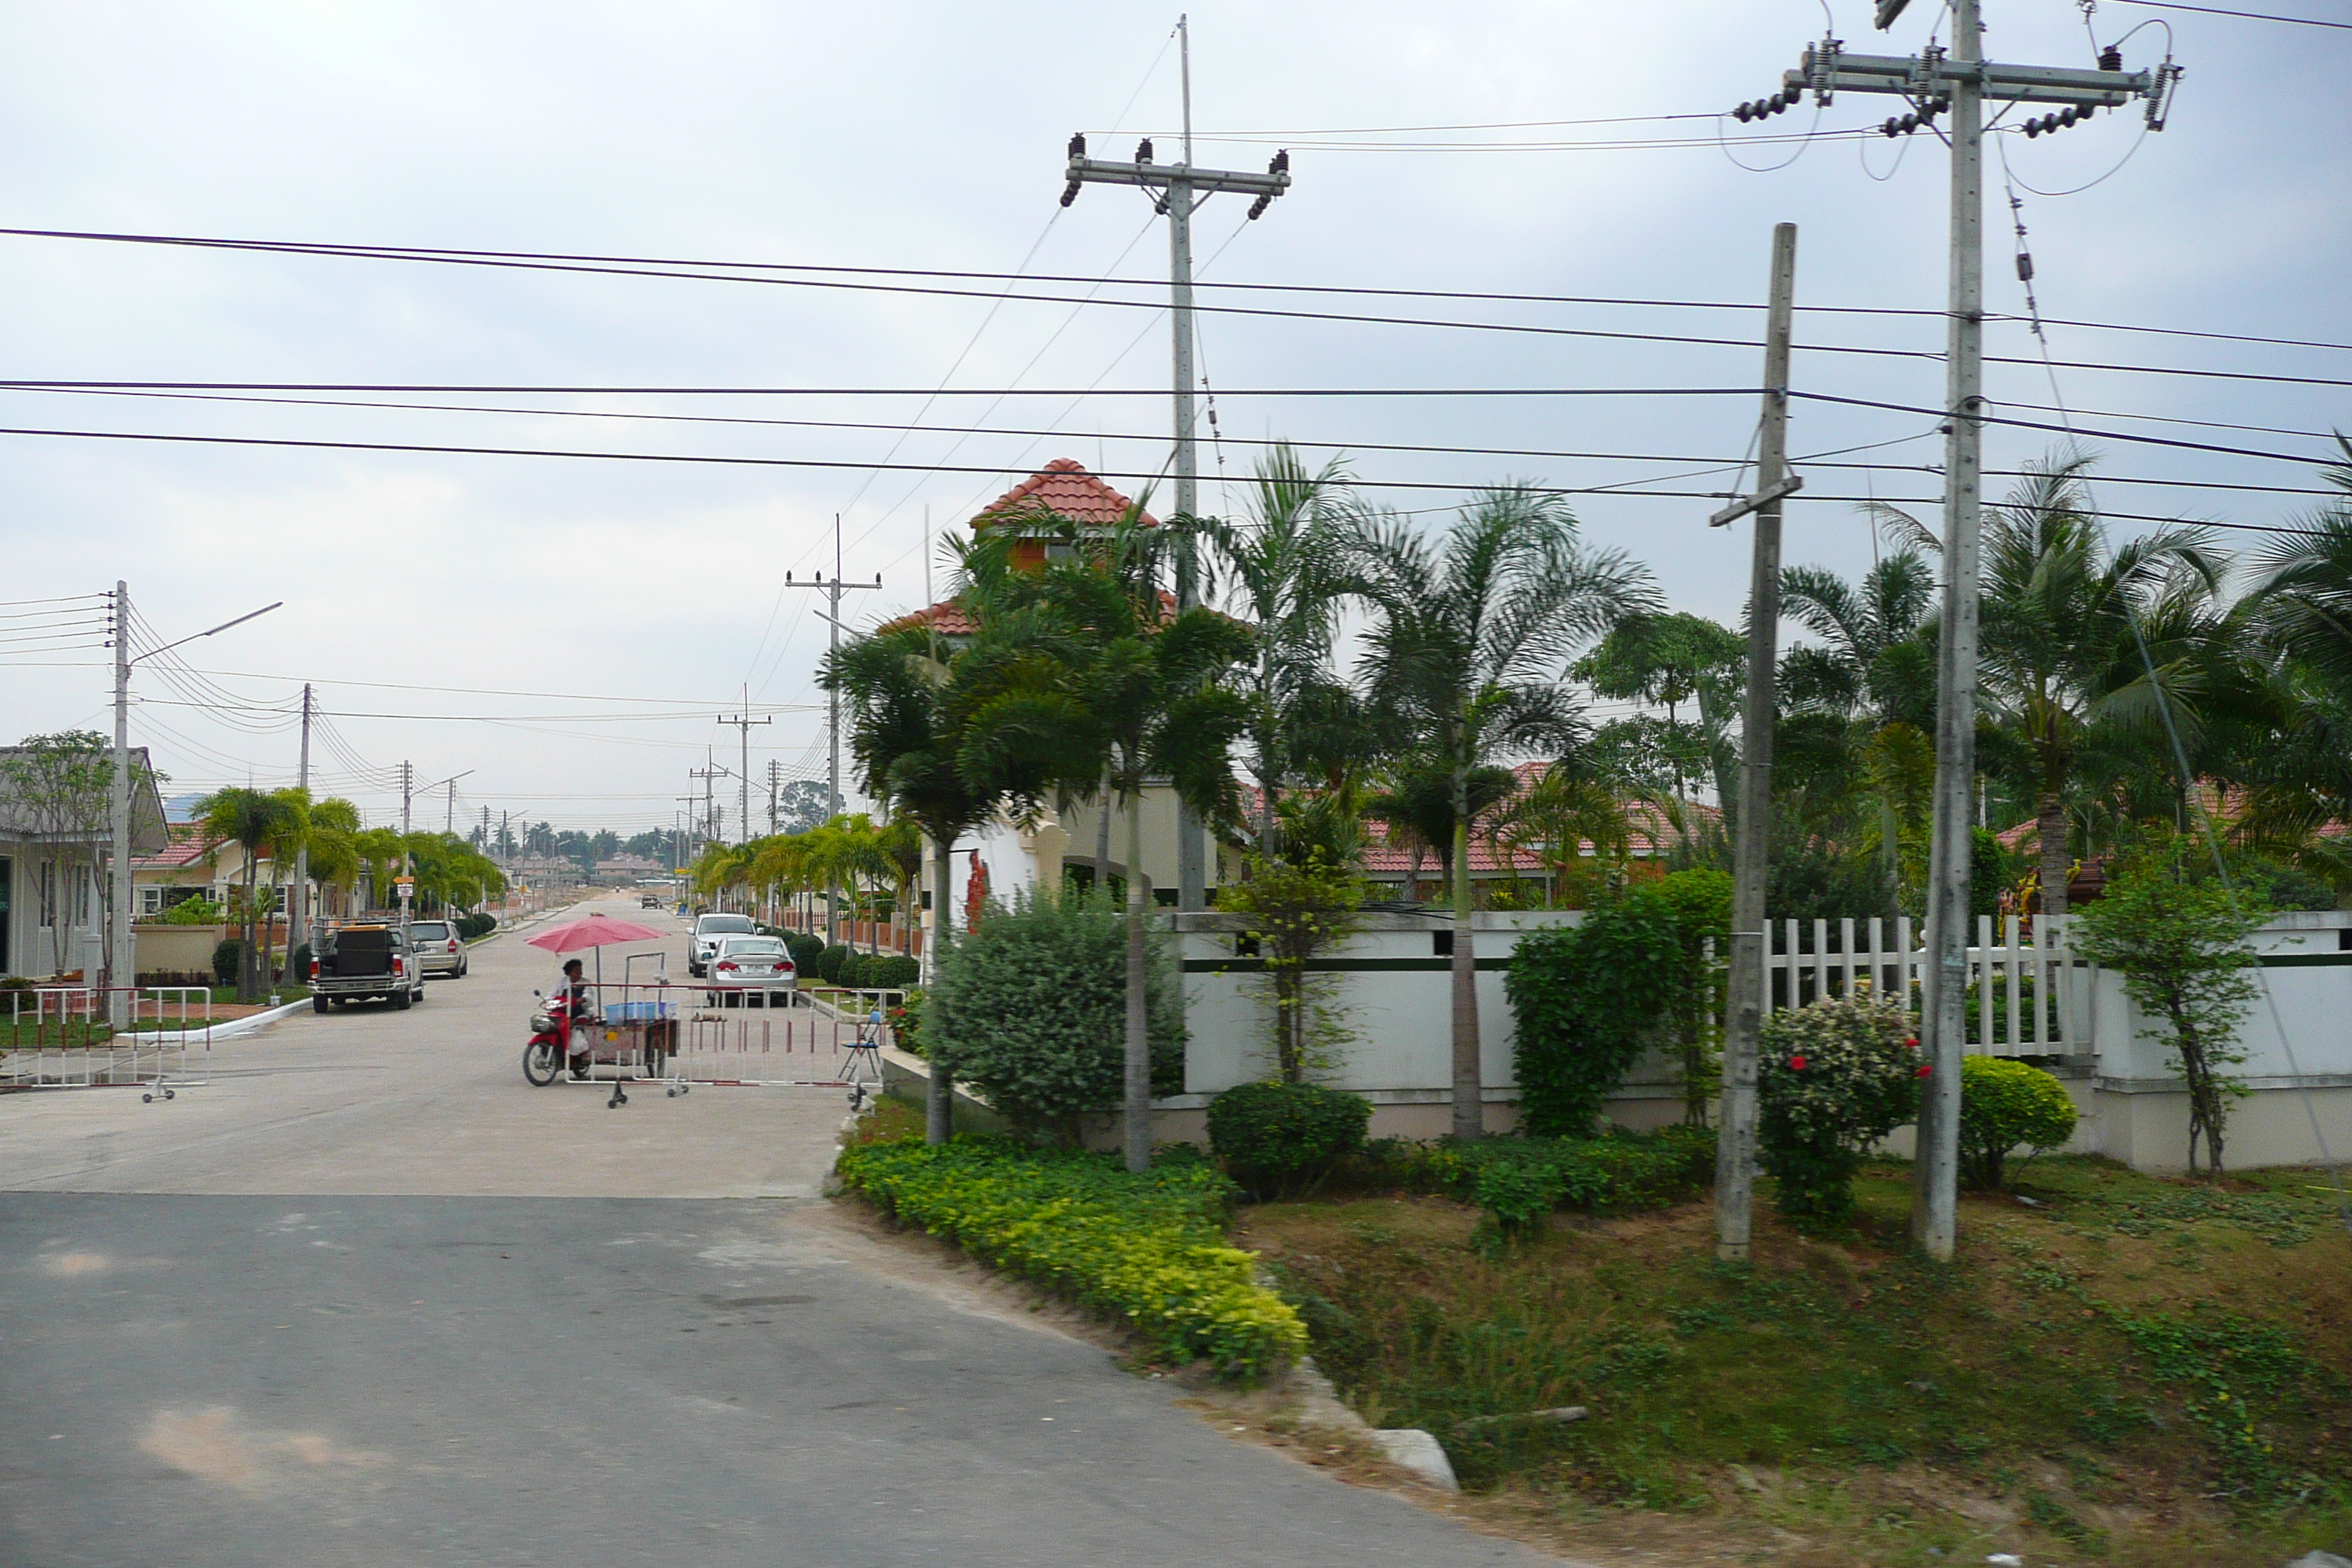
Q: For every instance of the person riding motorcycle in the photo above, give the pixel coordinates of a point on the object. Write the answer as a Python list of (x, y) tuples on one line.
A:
[(577, 1012)]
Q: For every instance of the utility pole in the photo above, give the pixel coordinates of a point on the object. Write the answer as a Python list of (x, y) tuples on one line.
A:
[(1181, 189), (407, 780), (1960, 83), (1735, 1155), (744, 722), (449, 815), (122, 955), (833, 592), (299, 930), (775, 771), (121, 960)]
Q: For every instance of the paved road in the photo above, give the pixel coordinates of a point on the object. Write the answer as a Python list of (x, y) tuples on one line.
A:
[(369, 1299)]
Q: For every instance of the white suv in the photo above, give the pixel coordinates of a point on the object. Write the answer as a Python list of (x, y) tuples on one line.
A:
[(438, 949), (708, 930)]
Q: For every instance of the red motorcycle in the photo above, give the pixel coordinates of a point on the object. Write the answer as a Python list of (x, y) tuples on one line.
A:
[(550, 1040)]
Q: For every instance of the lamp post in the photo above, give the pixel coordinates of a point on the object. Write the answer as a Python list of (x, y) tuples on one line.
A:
[(120, 959)]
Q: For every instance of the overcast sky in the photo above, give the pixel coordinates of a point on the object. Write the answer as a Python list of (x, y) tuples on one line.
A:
[(532, 595)]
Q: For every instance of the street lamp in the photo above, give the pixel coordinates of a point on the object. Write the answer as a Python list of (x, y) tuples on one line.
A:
[(120, 959)]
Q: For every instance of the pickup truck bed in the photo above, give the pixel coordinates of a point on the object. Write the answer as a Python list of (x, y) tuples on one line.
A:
[(364, 963)]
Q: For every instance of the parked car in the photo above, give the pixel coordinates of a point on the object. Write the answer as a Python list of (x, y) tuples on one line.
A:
[(745, 967), (708, 930), (439, 948), (368, 960)]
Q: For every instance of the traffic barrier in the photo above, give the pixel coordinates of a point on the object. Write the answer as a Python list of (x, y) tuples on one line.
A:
[(65, 1037)]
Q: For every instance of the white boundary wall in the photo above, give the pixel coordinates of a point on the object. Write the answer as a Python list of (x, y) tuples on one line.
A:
[(1395, 990)]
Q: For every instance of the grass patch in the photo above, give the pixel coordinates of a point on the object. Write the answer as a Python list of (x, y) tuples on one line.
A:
[(2138, 1371)]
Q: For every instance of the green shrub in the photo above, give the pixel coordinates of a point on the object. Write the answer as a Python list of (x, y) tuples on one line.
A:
[(478, 925), (1519, 1180), (1280, 1137), (1835, 1078), (2004, 1103), (197, 912), (227, 958), (1031, 1009), (851, 971), (806, 951), (829, 963), (1590, 998), (906, 1021), (893, 971), (1147, 1248)]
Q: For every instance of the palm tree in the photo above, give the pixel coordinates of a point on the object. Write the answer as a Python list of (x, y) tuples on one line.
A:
[(1418, 809), (333, 844), (946, 735), (253, 820), (2064, 669), (1671, 659), (1468, 640), (1279, 570), (1151, 683)]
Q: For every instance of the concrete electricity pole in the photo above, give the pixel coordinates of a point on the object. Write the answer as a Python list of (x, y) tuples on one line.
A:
[(775, 774), (297, 929), (407, 791), (832, 617), (1961, 83), (1183, 189), (1735, 1157), (122, 958), (744, 722)]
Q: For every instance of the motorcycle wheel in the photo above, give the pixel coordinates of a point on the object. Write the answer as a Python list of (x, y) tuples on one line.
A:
[(541, 1062)]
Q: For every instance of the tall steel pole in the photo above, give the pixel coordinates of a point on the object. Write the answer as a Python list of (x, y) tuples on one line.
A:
[(1736, 1143), (1936, 1200), (121, 958)]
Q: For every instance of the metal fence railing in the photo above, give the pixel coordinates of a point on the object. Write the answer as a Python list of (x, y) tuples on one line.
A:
[(155, 1038)]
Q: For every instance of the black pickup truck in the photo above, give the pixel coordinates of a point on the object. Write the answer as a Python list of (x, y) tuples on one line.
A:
[(365, 962)]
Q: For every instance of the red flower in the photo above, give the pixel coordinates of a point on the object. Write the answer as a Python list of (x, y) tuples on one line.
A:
[(1796, 1064), (1913, 1042), (1925, 1070)]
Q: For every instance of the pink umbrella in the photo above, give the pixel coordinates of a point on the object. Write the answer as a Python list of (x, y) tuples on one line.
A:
[(595, 930)]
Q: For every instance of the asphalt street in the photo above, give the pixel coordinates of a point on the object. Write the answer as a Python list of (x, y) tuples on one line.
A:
[(368, 1299)]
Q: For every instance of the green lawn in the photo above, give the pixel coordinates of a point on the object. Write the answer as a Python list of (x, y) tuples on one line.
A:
[(2136, 1371)]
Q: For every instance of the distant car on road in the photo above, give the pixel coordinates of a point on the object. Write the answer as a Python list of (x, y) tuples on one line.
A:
[(708, 930), (743, 967), (649, 900), (439, 950)]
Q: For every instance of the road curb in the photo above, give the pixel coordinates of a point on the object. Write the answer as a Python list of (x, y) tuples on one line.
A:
[(247, 1025)]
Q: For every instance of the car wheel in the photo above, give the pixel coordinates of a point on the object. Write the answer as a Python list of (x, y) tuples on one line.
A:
[(401, 1000), (317, 1004)]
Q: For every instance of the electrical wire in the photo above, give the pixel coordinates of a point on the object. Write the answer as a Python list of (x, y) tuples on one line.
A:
[(2248, 16), (593, 261)]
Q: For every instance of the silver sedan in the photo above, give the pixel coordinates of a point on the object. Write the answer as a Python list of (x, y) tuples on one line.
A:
[(745, 967)]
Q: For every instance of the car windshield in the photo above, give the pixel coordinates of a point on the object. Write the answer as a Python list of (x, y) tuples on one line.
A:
[(723, 925), (756, 946)]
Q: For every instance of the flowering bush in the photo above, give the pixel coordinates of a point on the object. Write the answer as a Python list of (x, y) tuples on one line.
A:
[(1835, 1078)]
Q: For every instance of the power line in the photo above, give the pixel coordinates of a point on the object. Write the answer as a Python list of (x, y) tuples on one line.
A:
[(1155, 438), (2248, 16), (672, 268)]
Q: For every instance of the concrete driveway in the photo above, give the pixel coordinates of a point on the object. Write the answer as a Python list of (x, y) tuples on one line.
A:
[(368, 1298)]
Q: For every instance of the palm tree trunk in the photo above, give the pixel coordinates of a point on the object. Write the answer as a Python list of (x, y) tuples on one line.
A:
[(1469, 1098), (939, 1099), (1412, 878), (2050, 829), (248, 981), (1138, 1041), (1102, 838)]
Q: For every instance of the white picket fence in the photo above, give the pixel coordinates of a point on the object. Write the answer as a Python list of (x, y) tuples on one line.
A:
[(2032, 996)]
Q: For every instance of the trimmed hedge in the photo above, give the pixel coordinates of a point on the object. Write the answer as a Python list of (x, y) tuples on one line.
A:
[(1277, 1137), (829, 963), (471, 926), (1149, 1248), (805, 951)]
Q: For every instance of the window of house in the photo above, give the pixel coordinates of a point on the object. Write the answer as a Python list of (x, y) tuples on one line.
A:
[(48, 893)]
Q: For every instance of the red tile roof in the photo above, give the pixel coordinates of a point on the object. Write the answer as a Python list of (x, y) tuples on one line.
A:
[(189, 844), (1064, 487)]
